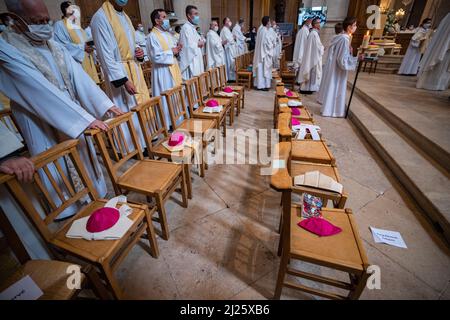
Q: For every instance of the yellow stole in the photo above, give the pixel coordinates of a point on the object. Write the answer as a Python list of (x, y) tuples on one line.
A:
[(174, 68), (88, 61), (133, 69)]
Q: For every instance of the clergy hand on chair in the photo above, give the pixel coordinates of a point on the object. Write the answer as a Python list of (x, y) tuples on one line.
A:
[(97, 124), (116, 111), (22, 167)]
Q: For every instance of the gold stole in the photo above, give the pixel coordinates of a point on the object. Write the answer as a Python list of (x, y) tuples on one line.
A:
[(88, 61), (174, 68), (133, 70)]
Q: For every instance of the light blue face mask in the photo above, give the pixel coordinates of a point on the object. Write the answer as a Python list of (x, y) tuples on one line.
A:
[(2, 28), (196, 20), (122, 3), (166, 24), (42, 32)]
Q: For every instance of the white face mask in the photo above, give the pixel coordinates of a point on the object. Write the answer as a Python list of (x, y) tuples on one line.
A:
[(141, 29), (42, 32), (216, 28)]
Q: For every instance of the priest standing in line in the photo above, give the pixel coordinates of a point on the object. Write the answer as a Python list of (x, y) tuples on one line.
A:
[(278, 44), (241, 40), (231, 48), (52, 98), (162, 50), (434, 70), (115, 43), (310, 73), (191, 57), (300, 44), (141, 40), (71, 35), (263, 56), (339, 62), (215, 53)]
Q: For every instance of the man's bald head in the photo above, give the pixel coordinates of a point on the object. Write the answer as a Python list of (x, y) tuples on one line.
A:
[(33, 11)]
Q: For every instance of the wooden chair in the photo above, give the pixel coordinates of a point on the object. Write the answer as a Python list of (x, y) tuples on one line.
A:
[(152, 178), (216, 91), (243, 76), (312, 151), (153, 125), (203, 128), (236, 88), (343, 252), (195, 98), (284, 126), (147, 71), (105, 255), (288, 75)]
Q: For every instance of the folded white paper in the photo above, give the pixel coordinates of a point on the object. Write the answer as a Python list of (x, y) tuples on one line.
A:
[(24, 289), (392, 238), (228, 94), (217, 109), (319, 180), (78, 228), (294, 103)]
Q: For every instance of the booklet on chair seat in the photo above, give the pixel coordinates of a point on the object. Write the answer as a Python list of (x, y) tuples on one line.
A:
[(317, 179), (217, 109)]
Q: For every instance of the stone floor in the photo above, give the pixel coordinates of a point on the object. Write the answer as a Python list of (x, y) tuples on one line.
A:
[(223, 246)]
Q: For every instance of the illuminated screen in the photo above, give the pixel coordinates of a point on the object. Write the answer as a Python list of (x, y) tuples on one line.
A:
[(313, 12)]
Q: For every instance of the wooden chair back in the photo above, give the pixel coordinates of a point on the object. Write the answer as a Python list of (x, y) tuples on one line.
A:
[(194, 97), (222, 76), (152, 122), (147, 71), (204, 83), (114, 145), (176, 104), (59, 182), (215, 80)]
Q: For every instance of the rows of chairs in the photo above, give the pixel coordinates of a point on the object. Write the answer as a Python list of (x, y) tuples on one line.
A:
[(244, 75), (342, 253), (157, 177)]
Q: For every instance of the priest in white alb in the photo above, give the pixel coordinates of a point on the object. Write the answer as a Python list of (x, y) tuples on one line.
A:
[(52, 98), (339, 61), (231, 48), (434, 70), (71, 35), (115, 43), (162, 51), (310, 73), (263, 56), (141, 40), (300, 44), (191, 57), (215, 52), (278, 43), (241, 40)]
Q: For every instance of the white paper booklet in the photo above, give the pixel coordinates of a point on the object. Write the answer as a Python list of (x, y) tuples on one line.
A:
[(317, 179), (294, 103), (24, 289), (217, 109), (392, 238)]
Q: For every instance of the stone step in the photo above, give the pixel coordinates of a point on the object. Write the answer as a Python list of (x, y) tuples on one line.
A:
[(427, 185)]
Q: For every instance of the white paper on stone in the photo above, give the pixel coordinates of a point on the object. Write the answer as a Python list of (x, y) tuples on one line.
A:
[(392, 238), (78, 228), (319, 180), (24, 289), (217, 109)]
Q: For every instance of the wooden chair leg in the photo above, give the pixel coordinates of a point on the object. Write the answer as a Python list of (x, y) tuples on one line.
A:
[(187, 173), (112, 281), (224, 124), (162, 216), (281, 274), (94, 280), (151, 235), (359, 288), (202, 160), (183, 187), (342, 201)]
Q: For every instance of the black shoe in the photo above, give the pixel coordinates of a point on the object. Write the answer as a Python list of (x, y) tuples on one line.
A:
[(306, 92)]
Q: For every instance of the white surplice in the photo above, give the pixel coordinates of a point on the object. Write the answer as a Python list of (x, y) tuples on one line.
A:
[(411, 60), (310, 72), (231, 52), (263, 58), (141, 42), (111, 62), (434, 71), (61, 35), (162, 79), (215, 52), (299, 49), (191, 56), (240, 39), (277, 47), (333, 86)]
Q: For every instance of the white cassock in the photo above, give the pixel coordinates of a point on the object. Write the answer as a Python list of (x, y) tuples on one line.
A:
[(411, 60), (45, 113), (231, 52), (299, 49), (215, 53), (334, 82), (191, 56), (61, 35), (434, 71), (240, 39), (162, 79), (141, 42), (278, 46), (310, 73), (263, 58), (110, 59)]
